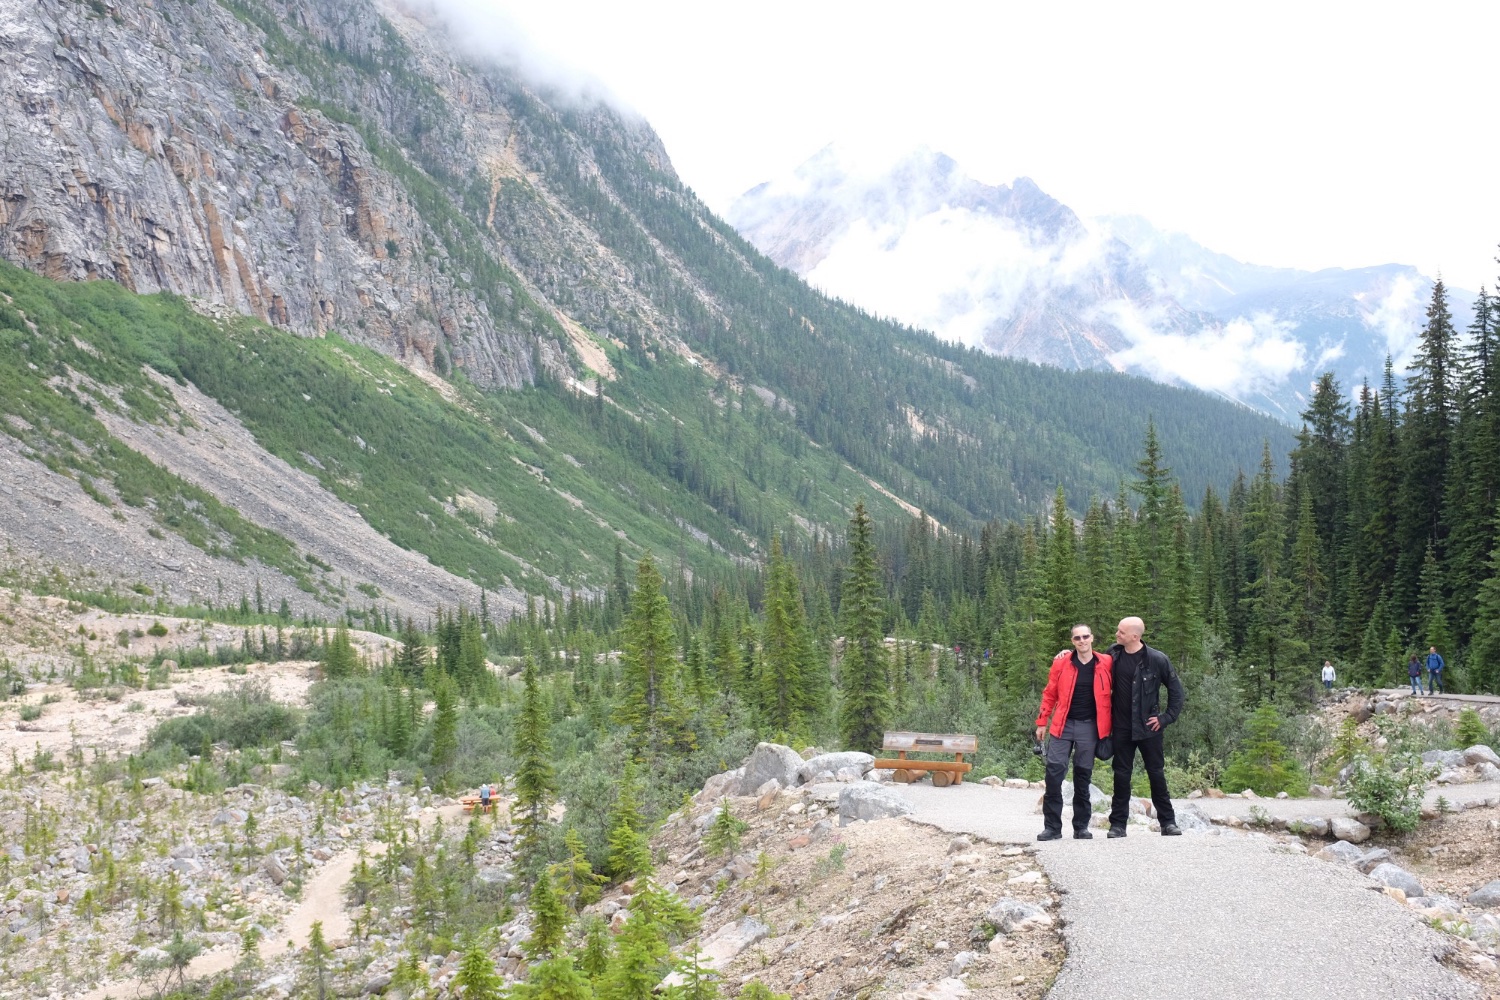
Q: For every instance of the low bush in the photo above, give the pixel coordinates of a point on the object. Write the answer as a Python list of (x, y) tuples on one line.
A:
[(1389, 786), (246, 717), (1263, 763)]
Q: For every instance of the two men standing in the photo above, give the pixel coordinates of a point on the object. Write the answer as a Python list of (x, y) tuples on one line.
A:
[(1091, 696)]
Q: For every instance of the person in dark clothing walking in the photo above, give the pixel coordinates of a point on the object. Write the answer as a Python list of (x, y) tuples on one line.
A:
[(1140, 672), (1414, 674), (1077, 710), (1435, 666)]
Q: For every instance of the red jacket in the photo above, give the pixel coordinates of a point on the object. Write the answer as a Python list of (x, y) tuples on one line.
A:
[(1058, 694)]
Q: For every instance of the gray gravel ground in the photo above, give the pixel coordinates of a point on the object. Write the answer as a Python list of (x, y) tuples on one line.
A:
[(1457, 796), (1222, 917)]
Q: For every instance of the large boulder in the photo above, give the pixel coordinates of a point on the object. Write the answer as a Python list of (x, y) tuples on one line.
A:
[(1481, 754), (1443, 758), (720, 785), (1351, 830), (1191, 819), (834, 763), (866, 800), (1309, 826), (1486, 895), (1341, 852), (1009, 915), (768, 761), (1397, 877), (274, 869), (725, 944)]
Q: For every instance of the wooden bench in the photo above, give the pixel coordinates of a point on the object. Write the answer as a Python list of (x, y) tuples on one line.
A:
[(472, 802), (944, 772)]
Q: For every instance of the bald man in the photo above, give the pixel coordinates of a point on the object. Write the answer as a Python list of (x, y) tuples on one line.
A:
[(1140, 673)]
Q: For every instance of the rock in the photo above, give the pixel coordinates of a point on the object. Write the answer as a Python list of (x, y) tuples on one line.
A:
[(1481, 754), (769, 785), (767, 799), (1319, 792), (1443, 758), (377, 985), (798, 842), (1396, 877), (82, 861), (1214, 793), (1282, 795), (1351, 830), (229, 817), (1196, 793), (1371, 858), (1489, 772), (273, 869), (867, 801), (726, 943), (940, 946), (943, 989), (1191, 819), (833, 763), (770, 761), (1010, 915), (961, 961), (959, 845), (1341, 852), (719, 785), (187, 866), (1486, 895), (849, 774), (1361, 711), (821, 829), (1016, 783), (1309, 826), (1248, 793), (183, 851), (1455, 776)]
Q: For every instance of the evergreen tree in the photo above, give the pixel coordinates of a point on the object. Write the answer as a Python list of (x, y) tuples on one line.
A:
[(549, 920), (1272, 649), (629, 850), (649, 664), (444, 726), (1062, 571), (476, 975), (1484, 652), (536, 781), (339, 658), (553, 979), (784, 688), (864, 677), (575, 877)]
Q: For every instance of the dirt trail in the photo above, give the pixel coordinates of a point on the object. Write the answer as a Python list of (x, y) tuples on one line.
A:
[(322, 900)]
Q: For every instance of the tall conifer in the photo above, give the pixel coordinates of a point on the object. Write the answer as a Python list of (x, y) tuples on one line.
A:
[(864, 678)]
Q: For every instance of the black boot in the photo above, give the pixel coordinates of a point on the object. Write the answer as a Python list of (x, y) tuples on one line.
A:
[(1116, 831), (1049, 834)]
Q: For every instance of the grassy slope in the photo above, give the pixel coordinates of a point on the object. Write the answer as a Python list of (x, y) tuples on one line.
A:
[(389, 443)]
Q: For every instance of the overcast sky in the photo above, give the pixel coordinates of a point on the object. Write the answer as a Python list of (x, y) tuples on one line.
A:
[(1304, 135)]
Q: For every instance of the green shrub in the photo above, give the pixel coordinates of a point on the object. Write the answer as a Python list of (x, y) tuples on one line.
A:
[(1389, 786), (30, 713), (157, 629), (724, 833), (246, 717), (1470, 730), (1263, 763)]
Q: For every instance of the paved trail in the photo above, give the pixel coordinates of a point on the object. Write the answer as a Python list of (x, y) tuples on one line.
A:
[(1222, 917)]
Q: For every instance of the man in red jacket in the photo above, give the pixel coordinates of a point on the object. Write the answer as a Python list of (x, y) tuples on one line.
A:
[(1077, 710)]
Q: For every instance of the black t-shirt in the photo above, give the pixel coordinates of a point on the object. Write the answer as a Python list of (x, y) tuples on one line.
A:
[(1127, 665), (1082, 708)]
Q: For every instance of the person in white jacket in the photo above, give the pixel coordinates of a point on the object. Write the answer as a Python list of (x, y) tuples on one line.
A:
[(1328, 675)]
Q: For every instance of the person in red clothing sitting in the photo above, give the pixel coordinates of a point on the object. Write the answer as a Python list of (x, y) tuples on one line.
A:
[(1077, 710)]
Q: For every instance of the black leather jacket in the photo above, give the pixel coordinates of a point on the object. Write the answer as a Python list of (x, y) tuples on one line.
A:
[(1144, 698)]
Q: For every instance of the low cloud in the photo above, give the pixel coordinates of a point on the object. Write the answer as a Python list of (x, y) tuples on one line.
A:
[(1396, 310), (1239, 359)]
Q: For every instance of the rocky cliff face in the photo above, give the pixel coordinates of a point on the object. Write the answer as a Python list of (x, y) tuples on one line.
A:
[(317, 164)]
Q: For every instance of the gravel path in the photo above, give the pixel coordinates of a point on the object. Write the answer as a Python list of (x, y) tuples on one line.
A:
[(1212, 916)]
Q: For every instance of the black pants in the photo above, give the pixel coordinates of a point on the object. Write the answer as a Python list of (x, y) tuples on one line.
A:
[(1076, 742), (1124, 761)]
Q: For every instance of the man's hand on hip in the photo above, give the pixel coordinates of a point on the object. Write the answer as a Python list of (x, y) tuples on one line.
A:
[(1153, 724)]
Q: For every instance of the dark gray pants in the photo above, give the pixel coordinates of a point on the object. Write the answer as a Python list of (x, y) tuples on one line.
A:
[(1077, 741)]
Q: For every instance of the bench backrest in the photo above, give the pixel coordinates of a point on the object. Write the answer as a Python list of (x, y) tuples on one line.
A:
[(931, 742)]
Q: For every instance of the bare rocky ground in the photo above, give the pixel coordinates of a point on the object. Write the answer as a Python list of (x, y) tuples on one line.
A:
[(884, 907)]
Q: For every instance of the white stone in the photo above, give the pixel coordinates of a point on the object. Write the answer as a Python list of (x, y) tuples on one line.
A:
[(1351, 830), (770, 761), (725, 944), (833, 763), (1481, 754), (869, 801)]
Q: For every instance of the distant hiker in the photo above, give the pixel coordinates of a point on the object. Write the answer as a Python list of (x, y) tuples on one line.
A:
[(484, 796), (1328, 675), (1077, 712), (1414, 674), (1434, 670), (1140, 672)]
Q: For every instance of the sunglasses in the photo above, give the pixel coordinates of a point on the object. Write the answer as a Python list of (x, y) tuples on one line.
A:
[(1081, 638)]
